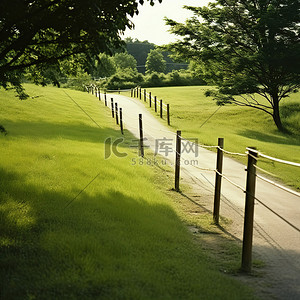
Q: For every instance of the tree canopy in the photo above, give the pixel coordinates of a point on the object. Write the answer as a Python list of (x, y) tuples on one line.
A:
[(125, 61), (155, 62), (249, 49), (34, 33)]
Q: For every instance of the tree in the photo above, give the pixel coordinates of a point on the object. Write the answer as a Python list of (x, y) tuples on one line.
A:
[(139, 50), (104, 66), (155, 62), (34, 33), (250, 49), (125, 61)]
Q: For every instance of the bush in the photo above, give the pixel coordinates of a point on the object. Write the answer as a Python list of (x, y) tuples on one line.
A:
[(128, 78), (124, 79), (155, 79), (79, 82)]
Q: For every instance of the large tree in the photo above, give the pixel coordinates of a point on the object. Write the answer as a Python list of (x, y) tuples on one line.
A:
[(36, 32), (248, 48)]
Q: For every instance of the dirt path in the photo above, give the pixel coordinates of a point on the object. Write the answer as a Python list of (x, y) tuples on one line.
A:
[(275, 242)]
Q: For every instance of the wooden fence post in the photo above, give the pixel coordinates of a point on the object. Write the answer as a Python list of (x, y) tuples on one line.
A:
[(121, 120), (218, 181), (140, 93), (105, 99), (119, 91), (145, 95), (161, 109), (116, 113), (131, 92), (141, 142), (150, 99), (168, 113), (99, 94), (249, 211), (134, 92), (177, 160), (112, 107), (155, 103)]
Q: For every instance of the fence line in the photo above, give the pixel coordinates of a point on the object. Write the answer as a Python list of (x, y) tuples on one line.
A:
[(275, 213), (230, 181), (232, 153), (137, 93), (253, 157), (278, 185), (279, 160)]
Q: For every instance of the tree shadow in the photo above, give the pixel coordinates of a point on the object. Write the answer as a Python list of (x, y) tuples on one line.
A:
[(47, 130), (107, 245), (290, 114), (270, 138)]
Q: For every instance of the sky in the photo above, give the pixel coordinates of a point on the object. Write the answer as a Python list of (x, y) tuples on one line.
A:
[(149, 24)]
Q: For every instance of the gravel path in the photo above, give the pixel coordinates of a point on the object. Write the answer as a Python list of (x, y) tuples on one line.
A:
[(274, 241)]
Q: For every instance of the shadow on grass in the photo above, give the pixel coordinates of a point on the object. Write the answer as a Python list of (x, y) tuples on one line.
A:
[(108, 246), (48, 130), (270, 138), (290, 114)]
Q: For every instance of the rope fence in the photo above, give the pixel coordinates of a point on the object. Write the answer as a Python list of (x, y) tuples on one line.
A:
[(252, 155), (159, 106)]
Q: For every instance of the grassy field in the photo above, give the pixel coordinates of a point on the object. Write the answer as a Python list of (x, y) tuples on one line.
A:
[(199, 117), (77, 226)]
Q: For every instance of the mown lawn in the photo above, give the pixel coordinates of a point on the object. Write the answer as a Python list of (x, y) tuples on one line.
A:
[(77, 226), (199, 117)]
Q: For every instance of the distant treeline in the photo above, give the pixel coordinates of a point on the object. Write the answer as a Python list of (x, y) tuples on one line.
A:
[(140, 50)]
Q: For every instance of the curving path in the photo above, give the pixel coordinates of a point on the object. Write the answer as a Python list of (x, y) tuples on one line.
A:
[(274, 241)]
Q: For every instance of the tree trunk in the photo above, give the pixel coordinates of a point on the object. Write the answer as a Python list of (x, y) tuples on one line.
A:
[(276, 114)]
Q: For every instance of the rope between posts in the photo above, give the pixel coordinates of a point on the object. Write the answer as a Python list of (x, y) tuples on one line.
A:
[(204, 169), (278, 185), (262, 170), (230, 181), (279, 160), (275, 213), (198, 145), (231, 153)]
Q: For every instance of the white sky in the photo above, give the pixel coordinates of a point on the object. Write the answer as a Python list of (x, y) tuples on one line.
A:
[(149, 24)]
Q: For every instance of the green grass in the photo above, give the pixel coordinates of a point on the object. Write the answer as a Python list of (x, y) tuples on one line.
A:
[(120, 236), (198, 117)]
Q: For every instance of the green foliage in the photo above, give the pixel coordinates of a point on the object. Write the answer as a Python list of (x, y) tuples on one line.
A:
[(139, 50), (79, 82), (119, 238), (129, 78), (104, 66), (124, 79), (43, 32), (245, 48), (125, 61), (155, 62)]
